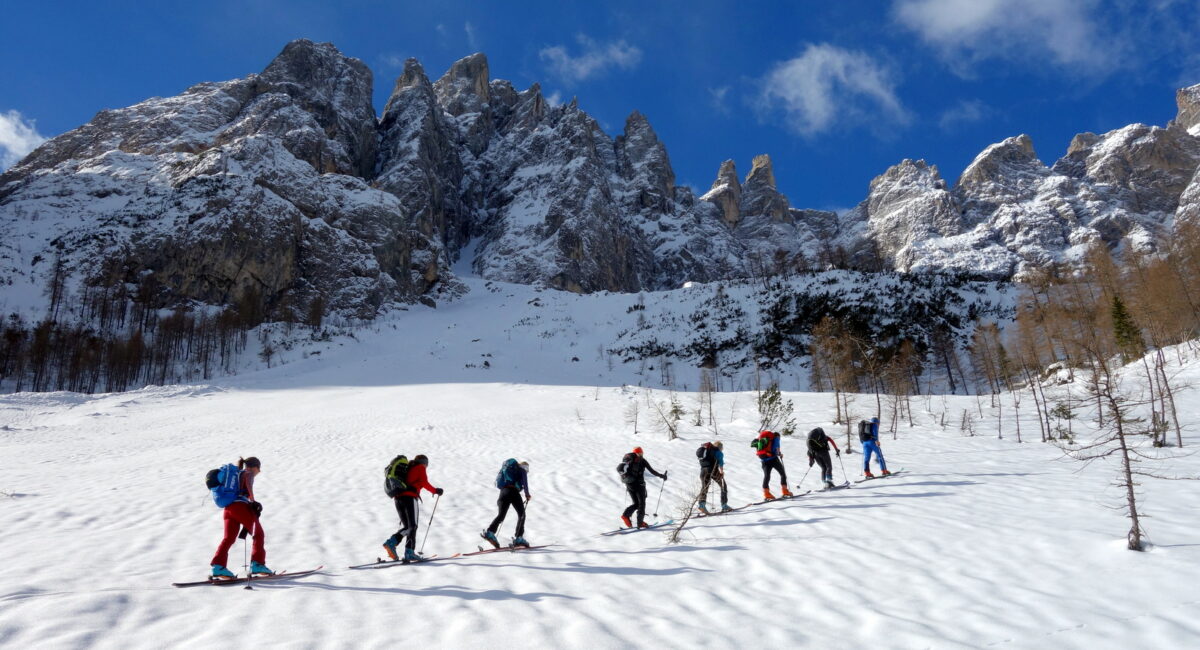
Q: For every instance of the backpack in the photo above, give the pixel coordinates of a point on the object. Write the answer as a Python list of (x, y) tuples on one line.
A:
[(817, 441), (506, 476), (224, 483), (763, 442), (625, 469), (705, 454), (395, 477), (864, 431)]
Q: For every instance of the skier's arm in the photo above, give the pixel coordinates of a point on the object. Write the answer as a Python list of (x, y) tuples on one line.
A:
[(835, 447), (525, 483), (652, 471), (421, 482)]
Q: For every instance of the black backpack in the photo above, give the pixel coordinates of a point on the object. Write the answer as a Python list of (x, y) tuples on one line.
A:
[(395, 477), (864, 431), (705, 454), (817, 441), (625, 469)]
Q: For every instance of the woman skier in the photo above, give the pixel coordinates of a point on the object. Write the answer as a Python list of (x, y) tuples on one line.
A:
[(818, 451), (243, 514), (766, 446), (406, 507), (512, 480)]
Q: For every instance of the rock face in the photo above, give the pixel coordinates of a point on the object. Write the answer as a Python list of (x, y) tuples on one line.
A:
[(286, 186)]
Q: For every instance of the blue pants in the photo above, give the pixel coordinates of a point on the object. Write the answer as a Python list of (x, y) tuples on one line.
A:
[(872, 447)]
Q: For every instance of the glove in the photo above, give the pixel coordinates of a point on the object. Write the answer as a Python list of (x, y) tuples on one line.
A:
[(810, 461), (839, 453), (257, 508), (439, 491), (527, 498), (665, 474)]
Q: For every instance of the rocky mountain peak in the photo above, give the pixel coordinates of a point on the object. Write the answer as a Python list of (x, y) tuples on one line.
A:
[(413, 75), (1188, 101), (464, 87), (762, 173), (1012, 154), (643, 159), (726, 193)]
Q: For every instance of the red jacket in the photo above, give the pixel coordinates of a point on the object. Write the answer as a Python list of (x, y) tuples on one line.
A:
[(416, 481)]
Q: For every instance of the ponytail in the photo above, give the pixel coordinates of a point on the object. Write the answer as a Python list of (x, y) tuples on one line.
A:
[(241, 463)]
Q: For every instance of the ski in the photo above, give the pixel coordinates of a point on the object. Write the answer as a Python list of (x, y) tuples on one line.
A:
[(282, 575), (380, 563), (511, 549), (836, 487), (766, 501), (622, 531), (872, 478)]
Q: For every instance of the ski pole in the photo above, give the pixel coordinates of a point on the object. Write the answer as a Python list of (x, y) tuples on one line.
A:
[(801, 483), (246, 560), (660, 491), (430, 524), (843, 464)]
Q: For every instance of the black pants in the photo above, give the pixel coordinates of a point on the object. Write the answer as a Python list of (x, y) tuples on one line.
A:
[(775, 464), (707, 476), (510, 496), (826, 463), (406, 507), (637, 491)]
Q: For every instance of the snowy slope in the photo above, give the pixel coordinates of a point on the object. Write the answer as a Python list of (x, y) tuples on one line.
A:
[(981, 542)]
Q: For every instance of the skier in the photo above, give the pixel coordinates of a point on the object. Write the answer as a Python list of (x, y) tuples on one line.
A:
[(512, 480), (243, 514), (406, 506), (768, 451), (633, 470), (818, 451), (712, 468), (868, 434)]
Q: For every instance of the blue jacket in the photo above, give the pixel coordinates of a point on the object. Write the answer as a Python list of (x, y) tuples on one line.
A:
[(720, 456), (518, 478)]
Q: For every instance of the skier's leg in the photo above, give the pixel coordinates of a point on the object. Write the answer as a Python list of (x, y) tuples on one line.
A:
[(640, 496), (766, 467), (705, 482), (868, 449), (782, 473), (502, 504), (399, 535), (724, 490), (232, 526), (879, 454), (408, 516), (633, 506), (519, 506)]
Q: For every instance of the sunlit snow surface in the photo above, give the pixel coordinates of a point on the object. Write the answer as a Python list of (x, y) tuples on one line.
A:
[(980, 543)]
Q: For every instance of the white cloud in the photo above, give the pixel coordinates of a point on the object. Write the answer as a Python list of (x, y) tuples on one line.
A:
[(392, 60), (828, 86), (594, 58), (967, 111), (717, 98), (472, 36), (554, 99), (17, 138), (1067, 32)]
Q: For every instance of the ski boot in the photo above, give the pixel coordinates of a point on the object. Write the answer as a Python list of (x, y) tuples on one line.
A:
[(221, 573), (767, 494), (410, 555), (259, 569), (867, 474), (786, 492), (725, 507), (389, 547), (627, 523), (828, 484), (642, 524), (519, 542), (886, 473), (703, 506), (491, 538)]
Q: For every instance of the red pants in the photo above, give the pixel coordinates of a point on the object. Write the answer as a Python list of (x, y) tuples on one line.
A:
[(238, 515)]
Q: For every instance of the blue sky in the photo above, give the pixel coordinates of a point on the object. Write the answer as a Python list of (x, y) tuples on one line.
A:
[(835, 92)]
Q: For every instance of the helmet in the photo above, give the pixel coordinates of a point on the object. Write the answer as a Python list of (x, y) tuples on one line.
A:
[(637, 450)]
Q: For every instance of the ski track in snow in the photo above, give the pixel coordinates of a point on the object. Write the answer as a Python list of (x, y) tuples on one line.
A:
[(980, 543)]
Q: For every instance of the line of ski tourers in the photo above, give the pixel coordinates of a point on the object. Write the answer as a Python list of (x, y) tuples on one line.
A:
[(232, 488)]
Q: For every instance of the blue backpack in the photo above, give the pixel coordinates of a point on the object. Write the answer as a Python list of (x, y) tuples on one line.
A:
[(224, 483), (507, 474)]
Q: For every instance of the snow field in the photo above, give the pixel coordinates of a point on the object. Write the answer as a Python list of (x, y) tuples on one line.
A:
[(980, 543)]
